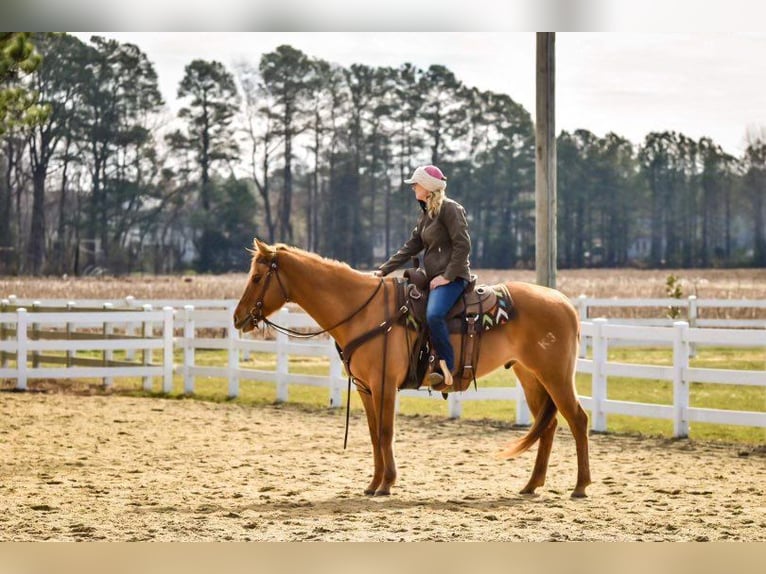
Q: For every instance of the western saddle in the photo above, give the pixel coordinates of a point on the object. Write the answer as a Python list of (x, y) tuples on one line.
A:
[(479, 308)]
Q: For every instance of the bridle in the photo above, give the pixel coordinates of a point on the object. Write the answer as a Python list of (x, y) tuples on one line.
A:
[(256, 316), (256, 312)]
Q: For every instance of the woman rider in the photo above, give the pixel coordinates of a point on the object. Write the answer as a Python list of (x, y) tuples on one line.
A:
[(442, 233)]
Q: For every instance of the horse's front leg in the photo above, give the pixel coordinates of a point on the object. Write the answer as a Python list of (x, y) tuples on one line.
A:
[(385, 403), (372, 424), (380, 417)]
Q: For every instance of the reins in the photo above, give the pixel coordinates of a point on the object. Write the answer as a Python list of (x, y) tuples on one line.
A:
[(256, 313), (256, 316)]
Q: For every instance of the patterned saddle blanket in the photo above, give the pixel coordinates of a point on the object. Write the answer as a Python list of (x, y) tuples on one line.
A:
[(486, 306)]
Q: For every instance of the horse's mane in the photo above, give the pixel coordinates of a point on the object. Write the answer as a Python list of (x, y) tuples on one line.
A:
[(340, 265)]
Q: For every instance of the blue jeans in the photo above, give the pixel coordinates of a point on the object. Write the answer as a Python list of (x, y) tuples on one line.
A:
[(440, 301)]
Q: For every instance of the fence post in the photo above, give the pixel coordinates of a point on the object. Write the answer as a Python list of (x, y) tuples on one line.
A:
[(598, 382), (244, 354), (69, 354), (147, 332), (336, 376), (3, 354), (167, 350), (189, 336), (680, 384), (692, 316), (582, 308), (35, 335), (523, 415), (107, 354), (233, 350), (130, 330), (455, 405), (21, 348), (282, 357)]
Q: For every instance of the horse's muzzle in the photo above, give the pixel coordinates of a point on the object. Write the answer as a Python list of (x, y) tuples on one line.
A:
[(240, 323)]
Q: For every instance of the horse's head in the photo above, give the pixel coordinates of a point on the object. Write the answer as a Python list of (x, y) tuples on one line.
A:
[(265, 291)]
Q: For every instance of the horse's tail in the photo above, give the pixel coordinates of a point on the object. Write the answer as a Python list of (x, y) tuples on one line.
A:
[(542, 420)]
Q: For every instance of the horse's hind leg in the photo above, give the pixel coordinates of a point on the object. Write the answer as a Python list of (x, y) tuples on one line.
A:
[(372, 424), (536, 396), (578, 423), (563, 393)]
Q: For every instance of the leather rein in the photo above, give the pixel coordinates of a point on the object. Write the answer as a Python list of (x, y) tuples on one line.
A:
[(256, 313), (256, 316)]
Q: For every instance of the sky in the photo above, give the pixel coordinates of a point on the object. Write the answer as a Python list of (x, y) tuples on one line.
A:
[(699, 83)]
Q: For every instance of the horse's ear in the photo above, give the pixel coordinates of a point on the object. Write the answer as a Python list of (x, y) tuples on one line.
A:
[(263, 248)]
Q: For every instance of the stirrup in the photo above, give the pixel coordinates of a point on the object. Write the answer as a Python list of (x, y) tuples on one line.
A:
[(440, 380), (435, 379)]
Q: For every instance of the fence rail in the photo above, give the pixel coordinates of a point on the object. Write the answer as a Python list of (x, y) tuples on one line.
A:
[(23, 335), (184, 328)]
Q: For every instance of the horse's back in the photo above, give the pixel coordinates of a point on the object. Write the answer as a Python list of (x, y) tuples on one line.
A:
[(542, 309), (535, 297)]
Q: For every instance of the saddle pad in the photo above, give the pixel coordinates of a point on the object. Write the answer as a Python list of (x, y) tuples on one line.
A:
[(500, 313)]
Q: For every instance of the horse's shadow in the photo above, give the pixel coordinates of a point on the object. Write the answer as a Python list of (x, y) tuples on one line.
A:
[(385, 504)]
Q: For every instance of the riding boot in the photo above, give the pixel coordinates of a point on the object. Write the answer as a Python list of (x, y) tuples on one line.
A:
[(439, 380), (446, 371), (435, 380)]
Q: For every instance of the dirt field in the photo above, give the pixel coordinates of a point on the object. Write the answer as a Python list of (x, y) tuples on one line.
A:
[(125, 469)]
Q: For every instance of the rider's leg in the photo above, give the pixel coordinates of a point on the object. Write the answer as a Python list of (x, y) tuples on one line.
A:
[(440, 301)]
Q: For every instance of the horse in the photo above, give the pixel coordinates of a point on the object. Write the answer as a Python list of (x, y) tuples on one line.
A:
[(540, 345)]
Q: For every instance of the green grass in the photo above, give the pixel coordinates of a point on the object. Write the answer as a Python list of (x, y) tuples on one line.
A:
[(733, 397)]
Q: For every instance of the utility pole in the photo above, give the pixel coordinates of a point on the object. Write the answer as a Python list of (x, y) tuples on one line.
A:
[(545, 161)]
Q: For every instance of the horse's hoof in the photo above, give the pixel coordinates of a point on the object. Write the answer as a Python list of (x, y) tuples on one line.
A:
[(383, 493), (369, 492), (577, 494), (528, 492), (529, 488)]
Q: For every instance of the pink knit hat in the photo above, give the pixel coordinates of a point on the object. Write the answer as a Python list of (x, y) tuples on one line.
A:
[(429, 176)]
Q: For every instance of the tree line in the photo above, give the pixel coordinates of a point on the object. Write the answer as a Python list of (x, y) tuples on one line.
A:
[(98, 175)]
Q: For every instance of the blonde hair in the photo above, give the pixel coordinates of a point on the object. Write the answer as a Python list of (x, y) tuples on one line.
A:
[(435, 200)]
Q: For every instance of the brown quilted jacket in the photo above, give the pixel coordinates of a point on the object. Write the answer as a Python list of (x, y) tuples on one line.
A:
[(445, 240)]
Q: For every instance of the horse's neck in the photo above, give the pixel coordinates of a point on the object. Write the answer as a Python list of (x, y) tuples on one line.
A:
[(329, 293)]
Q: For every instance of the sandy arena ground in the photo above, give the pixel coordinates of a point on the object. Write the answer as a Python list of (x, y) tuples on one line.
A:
[(125, 469)]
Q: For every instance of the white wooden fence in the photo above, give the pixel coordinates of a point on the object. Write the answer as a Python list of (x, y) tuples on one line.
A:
[(22, 345), (694, 310), (187, 319), (681, 337), (237, 347)]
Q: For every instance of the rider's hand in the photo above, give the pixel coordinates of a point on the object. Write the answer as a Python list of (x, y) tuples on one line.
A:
[(438, 281), (377, 273)]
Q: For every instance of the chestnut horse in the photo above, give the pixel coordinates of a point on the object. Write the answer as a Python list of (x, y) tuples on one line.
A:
[(540, 343)]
